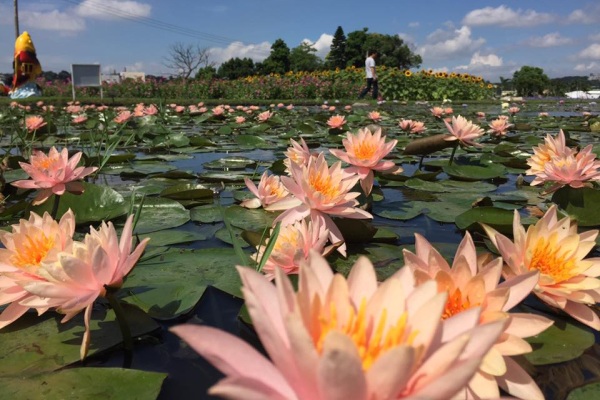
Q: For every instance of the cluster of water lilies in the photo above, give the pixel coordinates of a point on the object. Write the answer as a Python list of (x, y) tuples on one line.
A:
[(433, 329)]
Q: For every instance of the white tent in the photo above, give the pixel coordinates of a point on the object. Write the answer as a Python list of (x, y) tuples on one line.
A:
[(580, 94)]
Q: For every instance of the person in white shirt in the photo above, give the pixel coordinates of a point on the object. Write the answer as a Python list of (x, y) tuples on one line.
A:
[(371, 75)]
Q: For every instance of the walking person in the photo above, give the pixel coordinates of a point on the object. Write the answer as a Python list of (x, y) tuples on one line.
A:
[(371, 75)]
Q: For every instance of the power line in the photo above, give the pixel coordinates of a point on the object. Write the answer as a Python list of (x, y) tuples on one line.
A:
[(157, 24)]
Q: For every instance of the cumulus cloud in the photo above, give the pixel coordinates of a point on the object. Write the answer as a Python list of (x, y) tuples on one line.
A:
[(489, 66), (256, 52), (591, 67), (444, 44), (549, 40), (589, 15), (112, 9), (505, 16), (322, 45), (52, 21), (591, 52)]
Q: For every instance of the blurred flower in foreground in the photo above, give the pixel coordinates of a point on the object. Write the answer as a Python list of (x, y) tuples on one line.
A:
[(554, 248), (54, 173), (474, 282), (269, 190), (365, 152), (292, 247), (342, 339), (464, 131), (34, 122), (320, 192), (77, 278), (29, 244)]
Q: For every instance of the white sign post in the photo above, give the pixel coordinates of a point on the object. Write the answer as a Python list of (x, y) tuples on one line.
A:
[(85, 75)]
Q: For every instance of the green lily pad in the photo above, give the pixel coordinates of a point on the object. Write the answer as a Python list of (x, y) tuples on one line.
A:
[(561, 342), (86, 383), (498, 218), (96, 203), (585, 392), (450, 186), (159, 213), (581, 204), (249, 219), (233, 162), (207, 214), (172, 236), (475, 172), (172, 283), (251, 140), (187, 191), (33, 345)]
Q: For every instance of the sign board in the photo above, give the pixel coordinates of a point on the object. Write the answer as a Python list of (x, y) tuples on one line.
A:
[(85, 75)]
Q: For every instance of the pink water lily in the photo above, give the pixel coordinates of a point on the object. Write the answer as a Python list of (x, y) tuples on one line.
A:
[(264, 116), (542, 154), (365, 152), (298, 153), (269, 190), (375, 116), (336, 121), (78, 277), (437, 112), (54, 173), (464, 131), (28, 245), (567, 279), (342, 339), (320, 192), (293, 246), (123, 117), (473, 281), (499, 127), (34, 122)]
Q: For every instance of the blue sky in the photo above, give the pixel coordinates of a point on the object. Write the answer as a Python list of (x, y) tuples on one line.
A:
[(492, 39)]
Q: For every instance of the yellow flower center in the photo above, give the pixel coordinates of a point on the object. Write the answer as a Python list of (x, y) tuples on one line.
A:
[(456, 304), (43, 163), (287, 236), (322, 183), (33, 250), (549, 260), (372, 338), (275, 188), (365, 150)]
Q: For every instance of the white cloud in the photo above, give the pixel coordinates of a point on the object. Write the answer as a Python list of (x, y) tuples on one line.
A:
[(594, 37), (549, 40), (505, 16), (52, 21), (488, 66), (322, 45), (256, 52), (444, 44), (491, 60), (414, 24), (112, 9), (589, 15), (591, 67), (591, 52)]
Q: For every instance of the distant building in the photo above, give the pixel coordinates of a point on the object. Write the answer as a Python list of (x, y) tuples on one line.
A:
[(111, 78), (133, 75)]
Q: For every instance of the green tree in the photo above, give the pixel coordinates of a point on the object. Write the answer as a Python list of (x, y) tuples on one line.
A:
[(206, 73), (278, 61), (237, 68), (392, 50), (303, 58), (530, 81), (336, 58)]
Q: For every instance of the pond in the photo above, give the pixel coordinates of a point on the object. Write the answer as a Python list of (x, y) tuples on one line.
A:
[(183, 172)]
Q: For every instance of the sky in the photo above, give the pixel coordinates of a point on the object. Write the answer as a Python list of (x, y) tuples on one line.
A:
[(488, 38)]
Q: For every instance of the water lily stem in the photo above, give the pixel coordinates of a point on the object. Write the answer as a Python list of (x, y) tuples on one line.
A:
[(55, 206), (120, 314), (452, 155)]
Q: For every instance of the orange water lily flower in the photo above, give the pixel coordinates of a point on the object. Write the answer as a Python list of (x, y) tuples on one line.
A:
[(473, 281), (269, 190), (123, 117), (292, 247), (542, 154), (30, 243), (338, 338), (406, 124), (264, 116), (78, 277), (54, 173), (336, 121), (464, 131), (553, 247), (298, 153), (375, 116), (365, 151), (499, 127), (320, 192), (34, 122), (437, 112)]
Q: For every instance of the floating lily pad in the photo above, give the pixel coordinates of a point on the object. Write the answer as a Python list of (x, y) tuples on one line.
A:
[(450, 186), (159, 213), (581, 204), (207, 214), (234, 162), (172, 236), (187, 191), (475, 172), (585, 392)]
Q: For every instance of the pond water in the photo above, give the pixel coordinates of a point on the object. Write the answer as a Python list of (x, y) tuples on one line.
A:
[(173, 150)]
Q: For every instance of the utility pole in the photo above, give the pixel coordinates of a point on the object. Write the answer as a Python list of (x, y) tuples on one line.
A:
[(16, 3)]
